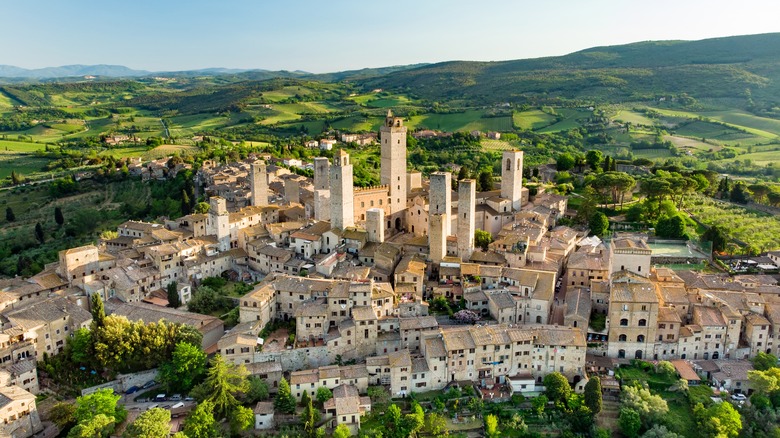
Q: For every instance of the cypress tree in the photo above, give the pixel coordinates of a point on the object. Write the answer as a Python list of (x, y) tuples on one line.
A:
[(98, 311), (39, 233), (9, 214), (58, 217), (173, 295), (593, 395)]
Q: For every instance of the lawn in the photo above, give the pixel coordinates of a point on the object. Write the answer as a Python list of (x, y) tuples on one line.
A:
[(532, 119)]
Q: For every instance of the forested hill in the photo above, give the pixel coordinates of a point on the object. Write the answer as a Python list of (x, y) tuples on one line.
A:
[(720, 67)]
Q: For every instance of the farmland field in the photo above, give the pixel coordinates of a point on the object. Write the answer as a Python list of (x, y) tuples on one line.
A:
[(633, 117), (760, 230), (496, 145), (18, 146), (466, 121), (570, 117), (21, 163), (652, 154), (760, 158), (689, 143), (532, 119)]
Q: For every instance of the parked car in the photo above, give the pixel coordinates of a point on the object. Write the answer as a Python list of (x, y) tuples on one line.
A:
[(738, 397), (160, 398), (149, 384), (188, 398), (175, 397), (131, 390)]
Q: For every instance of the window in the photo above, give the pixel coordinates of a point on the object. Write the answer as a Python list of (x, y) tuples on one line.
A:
[(624, 322), (622, 338), (642, 322), (640, 338)]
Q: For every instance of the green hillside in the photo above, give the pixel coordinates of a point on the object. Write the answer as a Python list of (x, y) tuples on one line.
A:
[(744, 67)]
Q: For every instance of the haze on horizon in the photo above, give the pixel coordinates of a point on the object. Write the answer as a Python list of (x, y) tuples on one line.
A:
[(345, 35)]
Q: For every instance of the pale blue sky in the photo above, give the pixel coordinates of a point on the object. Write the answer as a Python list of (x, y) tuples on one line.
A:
[(334, 35)]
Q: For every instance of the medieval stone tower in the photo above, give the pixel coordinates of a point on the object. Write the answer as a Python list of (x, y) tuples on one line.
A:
[(440, 198), (342, 211), (258, 184), (220, 222), (467, 195), (512, 177), (375, 225), (437, 240), (392, 136), (321, 177)]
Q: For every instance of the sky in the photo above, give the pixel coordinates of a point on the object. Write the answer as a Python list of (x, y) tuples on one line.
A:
[(336, 35)]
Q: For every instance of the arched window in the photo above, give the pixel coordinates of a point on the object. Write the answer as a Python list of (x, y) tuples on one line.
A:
[(640, 338), (642, 322), (638, 354), (621, 354), (624, 322), (508, 164), (622, 338), (519, 164), (538, 319)]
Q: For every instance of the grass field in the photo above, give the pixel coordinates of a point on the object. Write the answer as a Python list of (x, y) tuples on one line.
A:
[(18, 146), (357, 123), (652, 154), (381, 100), (633, 117), (286, 93), (532, 119), (5, 101), (757, 128), (466, 121), (689, 143), (21, 163), (760, 158), (570, 120)]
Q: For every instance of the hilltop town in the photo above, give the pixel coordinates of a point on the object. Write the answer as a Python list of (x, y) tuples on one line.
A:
[(349, 288)]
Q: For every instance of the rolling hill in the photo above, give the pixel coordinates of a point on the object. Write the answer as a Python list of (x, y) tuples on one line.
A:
[(712, 68)]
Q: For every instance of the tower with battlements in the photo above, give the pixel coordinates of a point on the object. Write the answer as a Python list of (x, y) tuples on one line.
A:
[(342, 198), (392, 137)]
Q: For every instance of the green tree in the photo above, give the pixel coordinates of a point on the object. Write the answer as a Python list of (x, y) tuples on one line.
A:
[(309, 418), (241, 418), (594, 158), (485, 181), (102, 401), (740, 193), (672, 227), (598, 224), (565, 161), (539, 403), (556, 387), (651, 408), (718, 421), (588, 206), (341, 431), (200, 423), (491, 426), (39, 233), (629, 423), (99, 426), (81, 350), (185, 369), (154, 423), (9, 214), (482, 239), (224, 381), (201, 208), (63, 415), (305, 399), (172, 292), (718, 238), (98, 311), (258, 390), (764, 361), (324, 394), (593, 395), (435, 424), (16, 178), (666, 369), (660, 431), (284, 402), (58, 217), (186, 205)]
